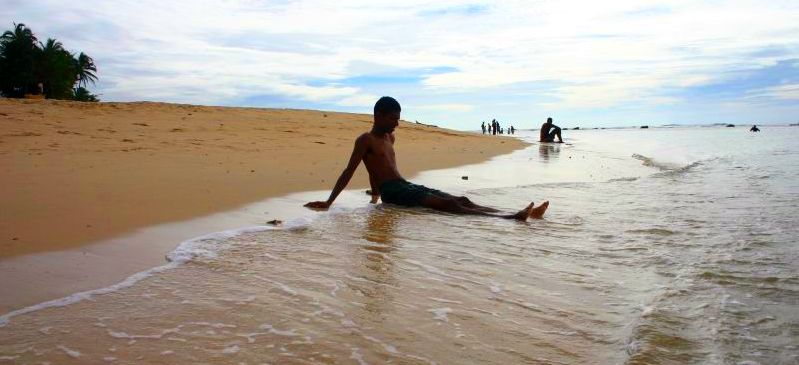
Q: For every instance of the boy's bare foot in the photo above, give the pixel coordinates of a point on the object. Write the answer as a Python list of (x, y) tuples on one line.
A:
[(538, 212), (523, 214)]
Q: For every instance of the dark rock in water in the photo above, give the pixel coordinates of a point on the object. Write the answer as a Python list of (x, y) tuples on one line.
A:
[(275, 222), (644, 127), (465, 177), (576, 128), (565, 129), (730, 125)]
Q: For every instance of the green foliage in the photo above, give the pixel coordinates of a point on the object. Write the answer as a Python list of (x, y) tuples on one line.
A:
[(25, 63), (81, 94)]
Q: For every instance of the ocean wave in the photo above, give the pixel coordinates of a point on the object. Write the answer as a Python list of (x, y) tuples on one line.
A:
[(660, 165), (204, 247), (667, 168)]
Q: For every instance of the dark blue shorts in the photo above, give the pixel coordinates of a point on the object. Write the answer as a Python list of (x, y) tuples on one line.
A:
[(401, 192), (550, 137)]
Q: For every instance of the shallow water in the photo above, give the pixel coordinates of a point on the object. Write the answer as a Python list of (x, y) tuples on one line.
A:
[(666, 246)]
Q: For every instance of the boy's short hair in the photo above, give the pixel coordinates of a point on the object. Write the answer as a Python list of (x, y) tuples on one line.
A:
[(549, 120), (387, 104)]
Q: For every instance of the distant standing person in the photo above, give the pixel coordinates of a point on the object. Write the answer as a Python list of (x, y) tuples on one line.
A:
[(494, 125), (549, 131), (512, 130), (483, 127), (754, 129)]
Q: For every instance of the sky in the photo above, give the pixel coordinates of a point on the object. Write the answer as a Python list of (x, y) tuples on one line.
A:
[(450, 63)]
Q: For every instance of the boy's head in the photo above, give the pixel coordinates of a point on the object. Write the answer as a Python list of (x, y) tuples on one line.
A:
[(549, 120), (387, 114)]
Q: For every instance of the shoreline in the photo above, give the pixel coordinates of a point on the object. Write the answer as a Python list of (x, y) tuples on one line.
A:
[(53, 276), (89, 207)]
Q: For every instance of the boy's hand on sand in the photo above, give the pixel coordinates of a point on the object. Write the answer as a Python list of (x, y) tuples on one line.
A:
[(317, 205)]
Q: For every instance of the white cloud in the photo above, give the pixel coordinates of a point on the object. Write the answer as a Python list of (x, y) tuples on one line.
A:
[(446, 107), (362, 100), (782, 92), (597, 54)]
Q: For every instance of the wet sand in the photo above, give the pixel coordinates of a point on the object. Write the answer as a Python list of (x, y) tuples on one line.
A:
[(79, 175)]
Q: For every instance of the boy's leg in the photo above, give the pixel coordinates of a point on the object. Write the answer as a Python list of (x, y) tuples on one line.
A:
[(555, 133), (465, 201), (450, 205)]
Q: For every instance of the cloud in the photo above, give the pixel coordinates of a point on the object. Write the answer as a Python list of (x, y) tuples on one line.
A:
[(447, 107), (591, 56), (781, 92)]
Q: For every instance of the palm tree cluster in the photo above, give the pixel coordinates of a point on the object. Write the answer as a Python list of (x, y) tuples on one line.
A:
[(28, 66)]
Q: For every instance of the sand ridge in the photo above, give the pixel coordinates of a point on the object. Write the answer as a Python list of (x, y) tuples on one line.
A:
[(74, 173)]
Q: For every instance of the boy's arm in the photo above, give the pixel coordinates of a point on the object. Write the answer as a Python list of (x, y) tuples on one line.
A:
[(375, 192), (357, 155)]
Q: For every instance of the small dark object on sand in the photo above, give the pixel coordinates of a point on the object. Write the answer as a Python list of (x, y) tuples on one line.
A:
[(465, 177), (275, 222), (644, 127)]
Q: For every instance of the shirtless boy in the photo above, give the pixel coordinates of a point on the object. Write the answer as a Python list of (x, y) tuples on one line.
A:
[(549, 131), (376, 149)]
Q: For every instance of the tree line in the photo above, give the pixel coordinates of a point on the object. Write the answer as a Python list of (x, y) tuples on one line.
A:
[(28, 66)]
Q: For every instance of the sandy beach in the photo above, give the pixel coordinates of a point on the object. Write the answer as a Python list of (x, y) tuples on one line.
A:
[(79, 173)]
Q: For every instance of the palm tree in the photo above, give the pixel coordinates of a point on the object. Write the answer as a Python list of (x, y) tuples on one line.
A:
[(55, 69), (85, 68), (17, 52), (26, 63)]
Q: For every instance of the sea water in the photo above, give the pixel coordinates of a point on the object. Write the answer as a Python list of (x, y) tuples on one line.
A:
[(661, 246)]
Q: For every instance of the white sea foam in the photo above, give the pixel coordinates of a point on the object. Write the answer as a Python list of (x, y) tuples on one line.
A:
[(275, 331), (205, 246), (70, 352), (440, 314), (231, 349), (356, 355)]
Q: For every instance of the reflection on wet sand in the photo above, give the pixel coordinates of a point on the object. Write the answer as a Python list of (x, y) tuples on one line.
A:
[(547, 150), (372, 261)]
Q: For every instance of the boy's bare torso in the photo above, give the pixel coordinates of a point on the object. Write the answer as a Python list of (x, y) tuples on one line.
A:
[(380, 160)]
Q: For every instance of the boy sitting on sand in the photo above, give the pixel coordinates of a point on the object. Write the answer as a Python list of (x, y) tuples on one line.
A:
[(549, 131), (376, 149)]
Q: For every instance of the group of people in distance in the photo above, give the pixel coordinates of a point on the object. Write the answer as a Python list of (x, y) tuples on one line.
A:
[(375, 149), (548, 132), (495, 128)]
